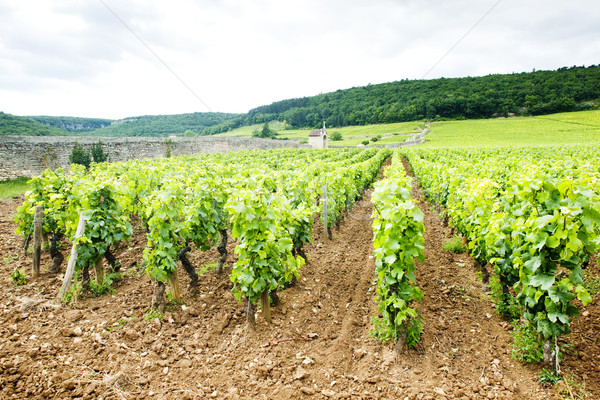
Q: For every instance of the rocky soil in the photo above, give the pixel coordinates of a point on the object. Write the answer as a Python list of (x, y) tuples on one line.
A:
[(318, 346)]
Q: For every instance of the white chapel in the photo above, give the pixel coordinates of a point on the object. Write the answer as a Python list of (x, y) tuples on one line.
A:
[(317, 138)]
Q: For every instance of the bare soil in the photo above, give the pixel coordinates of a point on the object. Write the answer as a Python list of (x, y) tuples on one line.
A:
[(319, 344)]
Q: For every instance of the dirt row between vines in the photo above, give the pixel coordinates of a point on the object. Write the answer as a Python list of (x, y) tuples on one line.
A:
[(318, 347)]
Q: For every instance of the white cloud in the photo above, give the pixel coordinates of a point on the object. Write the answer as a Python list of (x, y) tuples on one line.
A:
[(74, 57)]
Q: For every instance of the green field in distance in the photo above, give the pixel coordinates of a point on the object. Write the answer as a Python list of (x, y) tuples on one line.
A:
[(572, 127)]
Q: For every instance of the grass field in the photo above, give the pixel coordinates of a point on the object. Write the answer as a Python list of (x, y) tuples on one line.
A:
[(352, 135), (574, 127), (13, 188)]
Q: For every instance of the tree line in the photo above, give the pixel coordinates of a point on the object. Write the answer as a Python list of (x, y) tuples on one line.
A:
[(73, 124), (23, 126), (191, 124), (528, 93)]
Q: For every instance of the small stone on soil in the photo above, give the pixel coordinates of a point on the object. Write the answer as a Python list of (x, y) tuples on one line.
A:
[(300, 374)]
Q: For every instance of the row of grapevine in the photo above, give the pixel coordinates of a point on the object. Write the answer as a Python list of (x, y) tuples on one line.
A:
[(532, 213), (398, 241), (267, 199), (64, 197), (260, 220)]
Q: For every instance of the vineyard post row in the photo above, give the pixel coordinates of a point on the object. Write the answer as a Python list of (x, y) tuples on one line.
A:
[(532, 213), (266, 198)]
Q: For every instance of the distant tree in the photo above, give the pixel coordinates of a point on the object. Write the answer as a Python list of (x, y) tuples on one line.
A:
[(265, 132), (169, 152), (80, 156), (336, 136), (98, 153)]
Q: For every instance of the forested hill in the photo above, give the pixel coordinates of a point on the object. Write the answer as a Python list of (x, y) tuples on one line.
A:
[(530, 93), (73, 124), (20, 126), (164, 125), (150, 125)]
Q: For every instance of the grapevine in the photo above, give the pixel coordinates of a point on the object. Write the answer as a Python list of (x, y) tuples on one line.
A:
[(398, 240), (533, 213), (195, 202)]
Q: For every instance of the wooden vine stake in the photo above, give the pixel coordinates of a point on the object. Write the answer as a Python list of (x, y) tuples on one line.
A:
[(249, 308), (265, 305), (400, 342), (73, 258), (324, 201), (37, 240), (551, 354), (174, 281), (99, 271)]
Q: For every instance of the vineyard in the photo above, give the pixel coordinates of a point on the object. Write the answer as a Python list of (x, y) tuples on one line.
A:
[(533, 214), (268, 200), (310, 274)]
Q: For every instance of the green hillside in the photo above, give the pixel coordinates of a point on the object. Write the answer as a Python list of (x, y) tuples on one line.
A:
[(148, 125), (24, 126), (562, 128), (518, 94), (351, 135), (573, 127), (164, 125), (72, 124), (528, 93)]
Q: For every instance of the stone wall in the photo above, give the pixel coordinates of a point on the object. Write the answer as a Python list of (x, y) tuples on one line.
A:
[(30, 155)]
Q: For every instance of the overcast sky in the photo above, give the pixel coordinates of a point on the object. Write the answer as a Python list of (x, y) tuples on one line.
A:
[(120, 58)]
